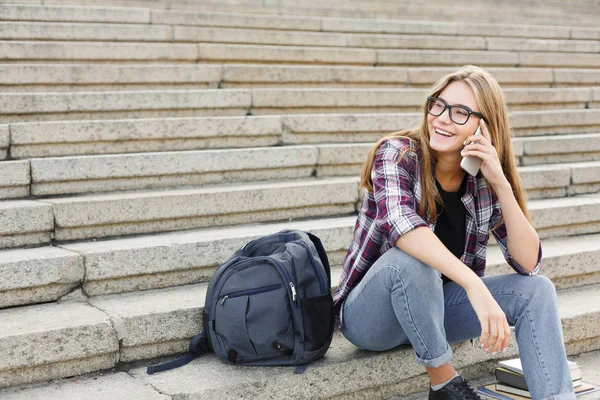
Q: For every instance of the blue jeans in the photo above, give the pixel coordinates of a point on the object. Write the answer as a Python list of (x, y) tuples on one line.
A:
[(402, 300)]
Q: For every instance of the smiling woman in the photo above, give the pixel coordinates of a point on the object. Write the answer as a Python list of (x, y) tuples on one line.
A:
[(415, 270)]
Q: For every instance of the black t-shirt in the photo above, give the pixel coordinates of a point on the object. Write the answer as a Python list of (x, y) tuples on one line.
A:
[(450, 225)]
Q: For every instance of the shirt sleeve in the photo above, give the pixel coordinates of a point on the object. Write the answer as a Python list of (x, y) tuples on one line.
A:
[(392, 190), (501, 238)]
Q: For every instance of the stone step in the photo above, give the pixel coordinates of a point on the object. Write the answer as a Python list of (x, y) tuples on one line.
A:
[(115, 214), (363, 25), (158, 261), (51, 340), (582, 5), (102, 385), (580, 335), (64, 13), (529, 15), (62, 138), (105, 173), (94, 52), (51, 31), (112, 77), (25, 223), (36, 11), (122, 328), (25, 107), (122, 386), (130, 213), (483, 9), (4, 141)]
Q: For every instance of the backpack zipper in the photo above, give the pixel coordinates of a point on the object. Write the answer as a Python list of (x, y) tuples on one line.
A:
[(284, 272), (287, 277), (251, 291)]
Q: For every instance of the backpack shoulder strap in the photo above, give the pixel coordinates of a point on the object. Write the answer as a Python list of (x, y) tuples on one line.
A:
[(322, 254), (198, 346)]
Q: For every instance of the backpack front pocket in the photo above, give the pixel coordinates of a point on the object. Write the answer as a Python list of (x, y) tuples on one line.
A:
[(230, 326), (256, 323)]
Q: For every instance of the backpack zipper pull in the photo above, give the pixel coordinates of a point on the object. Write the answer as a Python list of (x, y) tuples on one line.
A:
[(224, 298), (293, 291)]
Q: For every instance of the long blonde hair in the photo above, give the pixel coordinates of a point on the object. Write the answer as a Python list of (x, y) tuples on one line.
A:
[(492, 104)]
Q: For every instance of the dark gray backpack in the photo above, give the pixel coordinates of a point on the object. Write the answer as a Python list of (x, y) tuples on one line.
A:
[(269, 304)]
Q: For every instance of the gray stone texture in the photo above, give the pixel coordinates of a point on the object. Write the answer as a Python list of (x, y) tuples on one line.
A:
[(156, 317), (38, 275), (65, 13), (285, 54), (69, 332), (112, 386), (15, 178), (4, 141), (25, 222), (114, 76), (93, 51), (119, 214), (84, 32), (97, 137), (103, 173), (43, 77), (152, 170), (281, 22)]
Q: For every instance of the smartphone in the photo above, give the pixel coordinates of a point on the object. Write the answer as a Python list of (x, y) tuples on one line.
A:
[(471, 164)]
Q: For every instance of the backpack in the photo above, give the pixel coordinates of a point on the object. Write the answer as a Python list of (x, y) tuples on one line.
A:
[(268, 304)]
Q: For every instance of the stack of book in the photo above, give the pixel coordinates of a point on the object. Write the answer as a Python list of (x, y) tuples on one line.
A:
[(511, 381)]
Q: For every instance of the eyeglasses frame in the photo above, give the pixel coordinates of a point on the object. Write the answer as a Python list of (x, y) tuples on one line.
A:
[(449, 107)]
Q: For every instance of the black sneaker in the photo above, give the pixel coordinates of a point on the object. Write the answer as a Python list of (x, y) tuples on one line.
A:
[(456, 389)]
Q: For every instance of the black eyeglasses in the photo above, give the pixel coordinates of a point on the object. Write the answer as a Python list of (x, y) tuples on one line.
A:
[(458, 114)]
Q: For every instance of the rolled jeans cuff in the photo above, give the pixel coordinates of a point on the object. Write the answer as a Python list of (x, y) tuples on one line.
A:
[(562, 396), (438, 361)]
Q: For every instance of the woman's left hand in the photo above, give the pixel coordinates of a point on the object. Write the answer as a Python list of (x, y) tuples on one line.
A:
[(481, 146)]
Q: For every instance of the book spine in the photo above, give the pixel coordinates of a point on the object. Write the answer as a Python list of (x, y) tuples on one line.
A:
[(517, 381)]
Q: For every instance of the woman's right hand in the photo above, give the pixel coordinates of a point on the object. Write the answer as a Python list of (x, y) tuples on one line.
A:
[(491, 317)]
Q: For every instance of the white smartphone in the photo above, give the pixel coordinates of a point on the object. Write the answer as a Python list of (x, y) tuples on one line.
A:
[(471, 164)]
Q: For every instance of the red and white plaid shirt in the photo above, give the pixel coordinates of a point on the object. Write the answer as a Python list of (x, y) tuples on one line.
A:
[(391, 211)]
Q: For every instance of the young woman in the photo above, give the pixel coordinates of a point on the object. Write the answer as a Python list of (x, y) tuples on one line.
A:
[(414, 272)]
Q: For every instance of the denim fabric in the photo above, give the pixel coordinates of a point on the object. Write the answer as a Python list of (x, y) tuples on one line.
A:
[(401, 300)]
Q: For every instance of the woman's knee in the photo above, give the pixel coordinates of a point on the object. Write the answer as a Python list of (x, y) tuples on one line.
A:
[(543, 287), (537, 287)]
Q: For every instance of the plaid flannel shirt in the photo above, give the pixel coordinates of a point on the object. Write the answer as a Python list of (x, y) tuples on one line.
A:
[(391, 211)]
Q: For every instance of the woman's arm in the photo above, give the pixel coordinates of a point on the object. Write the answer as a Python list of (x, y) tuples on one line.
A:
[(495, 332), (522, 239), (523, 250), (424, 245)]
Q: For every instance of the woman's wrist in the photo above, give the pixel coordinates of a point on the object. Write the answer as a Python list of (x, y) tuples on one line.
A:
[(471, 281)]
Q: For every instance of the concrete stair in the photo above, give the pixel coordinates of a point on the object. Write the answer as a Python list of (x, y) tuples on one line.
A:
[(114, 214), (156, 261), (142, 143), (118, 172), (62, 138), (466, 12), (231, 102), (93, 52), (147, 324), (113, 77)]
